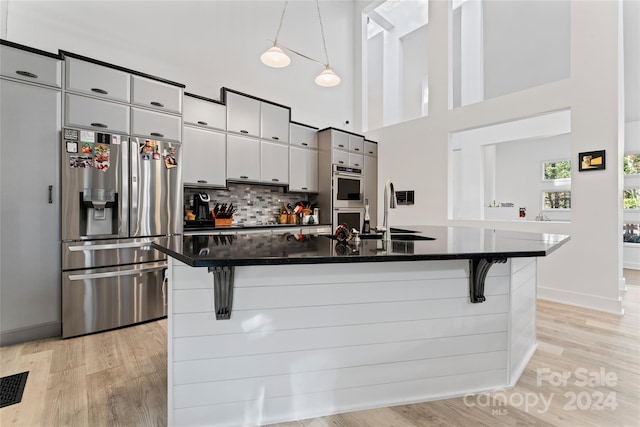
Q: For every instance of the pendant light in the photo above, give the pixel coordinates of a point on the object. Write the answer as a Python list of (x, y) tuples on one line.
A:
[(276, 58)]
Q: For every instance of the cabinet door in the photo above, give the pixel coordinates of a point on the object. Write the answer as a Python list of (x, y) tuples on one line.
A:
[(274, 122), (243, 158), (29, 205), (356, 144), (274, 163), (243, 114), (356, 160), (23, 65), (154, 94), (96, 80), (204, 155), (303, 136), (340, 157), (303, 170), (371, 187), (199, 112), (339, 140), (95, 114), (370, 149), (155, 125)]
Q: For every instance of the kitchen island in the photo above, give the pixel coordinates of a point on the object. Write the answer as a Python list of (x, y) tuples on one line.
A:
[(276, 327)]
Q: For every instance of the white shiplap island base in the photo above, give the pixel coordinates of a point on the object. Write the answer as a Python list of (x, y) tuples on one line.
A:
[(306, 340)]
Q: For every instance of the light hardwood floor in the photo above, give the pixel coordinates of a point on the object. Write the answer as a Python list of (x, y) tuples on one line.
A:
[(119, 378)]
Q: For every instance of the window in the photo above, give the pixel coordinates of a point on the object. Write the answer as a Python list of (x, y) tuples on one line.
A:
[(632, 164), (631, 233), (631, 198), (556, 200), (552, 171)]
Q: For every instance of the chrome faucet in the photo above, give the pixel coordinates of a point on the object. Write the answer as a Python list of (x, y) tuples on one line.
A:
[(389, 202)]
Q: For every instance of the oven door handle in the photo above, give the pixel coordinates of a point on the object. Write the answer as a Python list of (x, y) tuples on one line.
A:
[(74, 277), (141, 245)]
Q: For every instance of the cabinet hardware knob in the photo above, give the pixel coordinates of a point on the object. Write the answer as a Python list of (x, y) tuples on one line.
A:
[(341, 162), (340, 145), (202, 123), (98, 90), (50, 194), (304, 188), (370, 152), (157, 104), (99, 125), (244, 131), (305, 144), (202, 181), (356, 149), (158, 134), (27, 74), (275, 180), (357, 164), (244, 177), (275, 137)]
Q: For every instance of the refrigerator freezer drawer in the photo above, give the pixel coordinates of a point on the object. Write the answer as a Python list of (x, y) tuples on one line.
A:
[(106, 298), (104, 253)]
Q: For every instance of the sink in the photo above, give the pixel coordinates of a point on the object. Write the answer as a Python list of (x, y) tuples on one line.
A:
[(402, 230)]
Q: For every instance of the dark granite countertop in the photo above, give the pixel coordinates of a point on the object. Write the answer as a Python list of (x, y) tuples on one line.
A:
[(242, 227), (287, 248)]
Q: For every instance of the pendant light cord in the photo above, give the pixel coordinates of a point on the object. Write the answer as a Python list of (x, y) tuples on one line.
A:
[(275, 43), (324, 42)]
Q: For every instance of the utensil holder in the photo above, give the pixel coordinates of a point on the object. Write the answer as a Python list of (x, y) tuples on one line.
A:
[(284, 218), (292, 218), (223, 222)]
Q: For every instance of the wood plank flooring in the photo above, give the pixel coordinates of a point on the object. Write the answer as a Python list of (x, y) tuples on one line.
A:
[(119, 378)]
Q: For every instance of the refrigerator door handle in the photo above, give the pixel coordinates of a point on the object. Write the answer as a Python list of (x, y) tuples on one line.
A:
[(74, 277), (141, 245)]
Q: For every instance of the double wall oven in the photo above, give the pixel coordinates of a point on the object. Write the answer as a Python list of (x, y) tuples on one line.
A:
[(348, 196)]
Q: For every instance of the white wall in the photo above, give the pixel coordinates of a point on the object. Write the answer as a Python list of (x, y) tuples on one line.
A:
[(205, 45), (415, 154)]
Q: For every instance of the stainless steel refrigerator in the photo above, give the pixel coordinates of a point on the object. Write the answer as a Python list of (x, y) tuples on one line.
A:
[(118, 193)]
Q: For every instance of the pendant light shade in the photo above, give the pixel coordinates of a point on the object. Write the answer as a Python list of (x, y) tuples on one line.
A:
[(327, 78), (275, 58)]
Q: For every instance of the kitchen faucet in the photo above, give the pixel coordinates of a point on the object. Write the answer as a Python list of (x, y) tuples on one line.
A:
[(389, 202)]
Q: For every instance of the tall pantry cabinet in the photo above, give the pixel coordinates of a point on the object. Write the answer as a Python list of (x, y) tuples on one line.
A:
[(30, 118)]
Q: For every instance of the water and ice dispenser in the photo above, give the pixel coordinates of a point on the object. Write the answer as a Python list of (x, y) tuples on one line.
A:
[(98, 212)]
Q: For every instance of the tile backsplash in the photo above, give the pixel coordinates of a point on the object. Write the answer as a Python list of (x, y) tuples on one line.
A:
[(257, 204)]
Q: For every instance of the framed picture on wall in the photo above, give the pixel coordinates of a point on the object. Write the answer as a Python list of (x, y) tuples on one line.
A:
[(591, 160)]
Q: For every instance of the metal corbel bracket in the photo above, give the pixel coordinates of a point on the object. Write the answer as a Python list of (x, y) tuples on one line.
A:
[(223, 291), (478, 269)]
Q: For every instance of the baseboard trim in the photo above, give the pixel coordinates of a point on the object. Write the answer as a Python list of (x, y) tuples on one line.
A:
[(607, 305), (31, 333)]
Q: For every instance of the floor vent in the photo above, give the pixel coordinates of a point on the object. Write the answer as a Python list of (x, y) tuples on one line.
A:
[(11, 388)]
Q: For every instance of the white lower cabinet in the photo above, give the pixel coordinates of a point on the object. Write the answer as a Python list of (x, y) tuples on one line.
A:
[(303, 170), (243, 159), (204, 157), (29, 212), (274, 163)]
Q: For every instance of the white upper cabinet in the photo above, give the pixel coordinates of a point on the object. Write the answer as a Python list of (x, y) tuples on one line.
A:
[(356, 144), (199, 112), (370, 149), (274, 122), (340, 157), (303, 136), (303, 169), (97, 80), (157, 95), (95, 114), (243, 158), (152, 124), (356, 160), (243, 114), (23, 65), (339, 140), (204, 155), (274, 163)]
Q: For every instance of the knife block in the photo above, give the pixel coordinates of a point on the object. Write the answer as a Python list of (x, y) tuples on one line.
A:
[(222, 222)]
